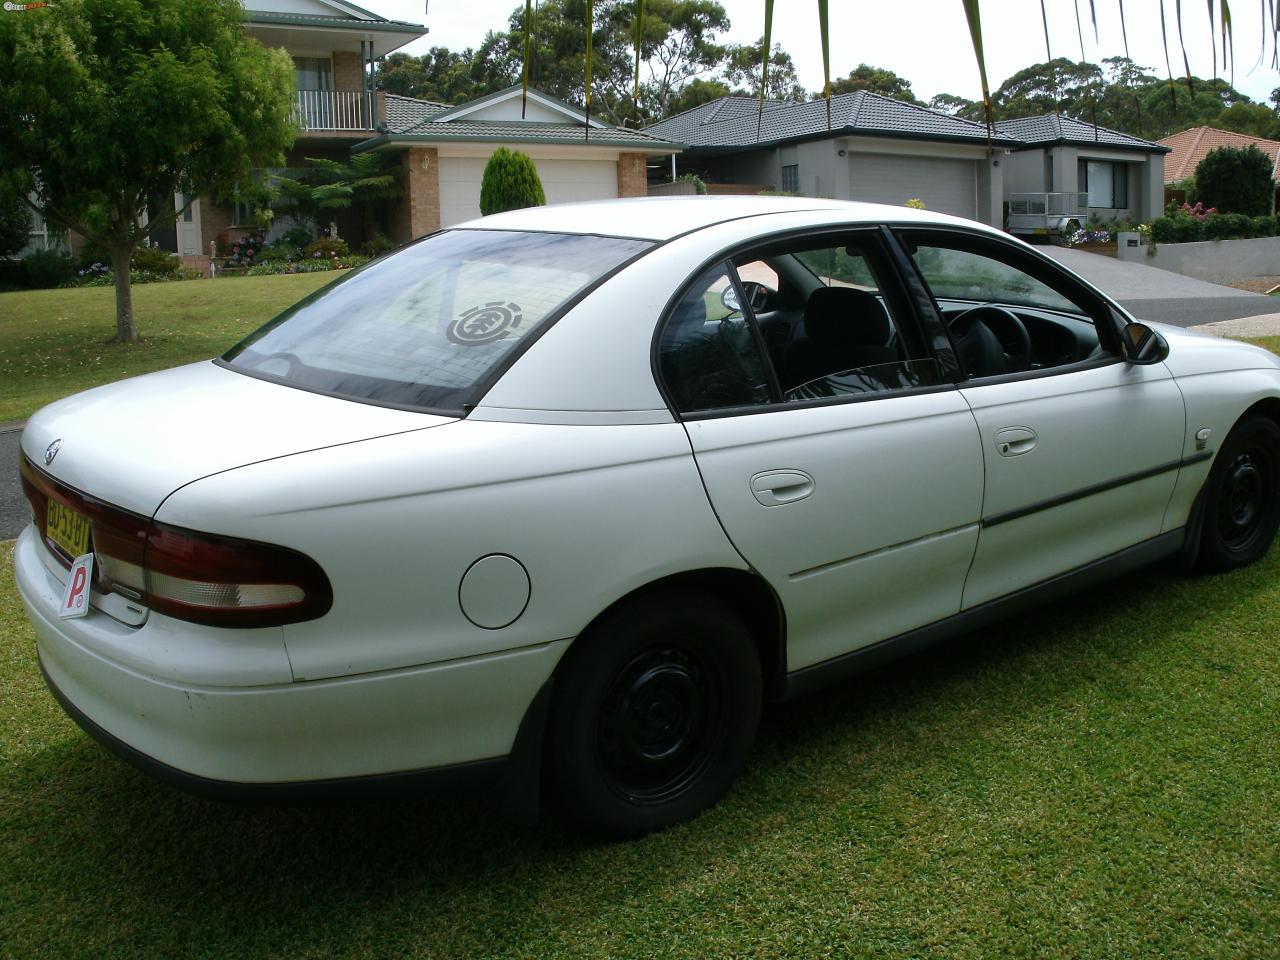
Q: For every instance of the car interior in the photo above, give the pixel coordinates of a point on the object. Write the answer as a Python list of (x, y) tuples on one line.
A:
[(828, 325)]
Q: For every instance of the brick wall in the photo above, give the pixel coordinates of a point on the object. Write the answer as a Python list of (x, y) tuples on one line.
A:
[(214, 220), (347, 74), (633, 181), (418, 212)]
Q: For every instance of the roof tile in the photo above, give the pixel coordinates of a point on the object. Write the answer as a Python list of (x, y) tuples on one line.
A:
[(1191, 146)]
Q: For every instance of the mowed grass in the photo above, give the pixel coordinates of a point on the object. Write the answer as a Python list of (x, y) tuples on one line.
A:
[(1100, 779), (53, 342)]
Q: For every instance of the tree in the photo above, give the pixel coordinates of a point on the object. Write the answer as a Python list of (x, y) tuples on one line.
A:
[(105, 103), (1236, 181), (442, 75), (743, 65), (952, 105), (695, 93), (1255, 119), (874, 80), (678, 47), (510, 182), (361, 181)]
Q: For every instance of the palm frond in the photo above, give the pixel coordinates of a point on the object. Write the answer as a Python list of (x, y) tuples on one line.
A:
[(591, 23), (1080, 32), (635, 94), (1228, 39), (1048, 58), (764, 61), (524, 72), (823, 27), (1164, 38), (1186, 62), (974, 16)]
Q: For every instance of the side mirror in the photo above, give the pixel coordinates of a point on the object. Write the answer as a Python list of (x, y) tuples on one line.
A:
[(729, 297), (1142, 345)]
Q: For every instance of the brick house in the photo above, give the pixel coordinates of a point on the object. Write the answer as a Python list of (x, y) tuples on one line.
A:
[(336, 47)]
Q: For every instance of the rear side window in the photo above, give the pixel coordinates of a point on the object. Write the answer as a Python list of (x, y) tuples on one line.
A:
[(426, 326), (709, 355)]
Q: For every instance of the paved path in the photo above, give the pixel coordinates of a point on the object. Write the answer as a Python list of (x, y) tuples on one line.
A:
[(13, 505), (1150, 293)]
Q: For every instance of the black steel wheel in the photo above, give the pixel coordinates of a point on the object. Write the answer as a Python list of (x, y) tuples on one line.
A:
[(1242, 505), (654, 714)]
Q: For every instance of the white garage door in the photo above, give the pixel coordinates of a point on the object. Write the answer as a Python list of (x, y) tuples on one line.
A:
[(945, 186), (563, 181)]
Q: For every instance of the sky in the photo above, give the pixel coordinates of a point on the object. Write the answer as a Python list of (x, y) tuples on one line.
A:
[(925, 41)]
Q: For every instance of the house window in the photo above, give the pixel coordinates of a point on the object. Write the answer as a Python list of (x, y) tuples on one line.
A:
[(313, 73), (1106, 183), (791, 178)]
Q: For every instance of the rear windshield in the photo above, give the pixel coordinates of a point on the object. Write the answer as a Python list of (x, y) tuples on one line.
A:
[(426, 326)]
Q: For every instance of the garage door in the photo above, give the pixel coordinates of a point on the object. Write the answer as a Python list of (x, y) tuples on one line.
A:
[(945, 186), (563, 181)]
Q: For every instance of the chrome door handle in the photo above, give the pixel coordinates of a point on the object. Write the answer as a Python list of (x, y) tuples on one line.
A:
[(1015, 441), (773, 488)]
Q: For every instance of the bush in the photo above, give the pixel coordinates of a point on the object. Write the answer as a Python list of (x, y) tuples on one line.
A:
[(1164, 230), (1264, 226), (15, 222), (1235, 181), (45, 269), (378, 244), (510, 183), (154, 260), (297, 237), (275, 252), (274, 267), (325, 248)]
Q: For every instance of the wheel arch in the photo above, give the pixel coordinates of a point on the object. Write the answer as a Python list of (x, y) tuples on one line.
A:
[(744, 591)]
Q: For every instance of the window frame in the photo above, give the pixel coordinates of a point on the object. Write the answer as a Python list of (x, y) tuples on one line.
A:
[(1107, 316), (895, 287)]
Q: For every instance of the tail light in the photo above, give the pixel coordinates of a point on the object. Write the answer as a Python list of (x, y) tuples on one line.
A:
[(199, 577)]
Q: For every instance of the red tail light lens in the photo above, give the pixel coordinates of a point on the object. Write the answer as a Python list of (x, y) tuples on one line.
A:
[(198, 577)]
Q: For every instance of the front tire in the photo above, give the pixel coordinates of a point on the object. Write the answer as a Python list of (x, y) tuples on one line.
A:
[(1242, 497), (655, 711)]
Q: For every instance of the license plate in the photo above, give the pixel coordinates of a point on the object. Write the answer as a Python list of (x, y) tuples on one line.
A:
[(68, 529)]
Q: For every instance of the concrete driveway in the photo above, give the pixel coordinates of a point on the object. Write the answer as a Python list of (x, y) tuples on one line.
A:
[(1150, 293), (13, 506)]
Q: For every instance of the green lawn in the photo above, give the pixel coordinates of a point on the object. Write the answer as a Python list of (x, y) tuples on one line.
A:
[(1099, 780), (52, 342)]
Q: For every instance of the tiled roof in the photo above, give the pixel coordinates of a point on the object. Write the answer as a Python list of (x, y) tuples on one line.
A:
[(732, 122), (1191, 146), (1053, 128), (518, 131), (406, 112), (323, 20)]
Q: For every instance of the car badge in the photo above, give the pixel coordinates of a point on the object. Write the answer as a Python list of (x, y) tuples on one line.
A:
[(51, 451)]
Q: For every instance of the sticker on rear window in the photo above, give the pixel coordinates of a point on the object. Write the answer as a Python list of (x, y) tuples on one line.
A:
[(485, 324)]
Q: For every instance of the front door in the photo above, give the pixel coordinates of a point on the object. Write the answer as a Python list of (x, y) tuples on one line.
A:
[(839, 464), (1081, 448), (188, 226)]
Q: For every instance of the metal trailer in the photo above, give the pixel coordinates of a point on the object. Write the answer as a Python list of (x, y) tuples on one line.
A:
[(1052, 215)]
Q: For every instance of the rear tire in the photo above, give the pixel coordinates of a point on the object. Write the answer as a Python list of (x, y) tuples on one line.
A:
[(655, 711), (1242, 497)]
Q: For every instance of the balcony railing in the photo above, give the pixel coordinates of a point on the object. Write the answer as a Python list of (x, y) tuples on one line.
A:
[(335, 110)]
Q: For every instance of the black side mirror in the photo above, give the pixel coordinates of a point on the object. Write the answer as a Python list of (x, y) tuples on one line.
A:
[(1142, 345)]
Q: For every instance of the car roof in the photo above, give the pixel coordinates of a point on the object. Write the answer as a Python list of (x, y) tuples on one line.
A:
[(662, 218)]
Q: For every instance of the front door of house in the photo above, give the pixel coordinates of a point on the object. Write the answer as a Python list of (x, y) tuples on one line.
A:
[(188, 226)]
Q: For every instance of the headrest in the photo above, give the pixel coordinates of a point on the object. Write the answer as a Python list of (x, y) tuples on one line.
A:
[(847, 316)]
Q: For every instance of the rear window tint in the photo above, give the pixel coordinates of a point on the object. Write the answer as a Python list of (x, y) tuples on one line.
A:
[(427, 326)]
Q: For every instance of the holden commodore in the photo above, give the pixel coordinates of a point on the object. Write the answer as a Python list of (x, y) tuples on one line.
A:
[(560, 496)]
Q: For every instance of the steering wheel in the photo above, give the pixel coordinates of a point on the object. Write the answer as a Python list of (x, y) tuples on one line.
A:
[(991, 340)]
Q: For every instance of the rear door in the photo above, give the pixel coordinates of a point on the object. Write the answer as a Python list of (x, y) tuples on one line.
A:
[(1081, 449), (856, 492)]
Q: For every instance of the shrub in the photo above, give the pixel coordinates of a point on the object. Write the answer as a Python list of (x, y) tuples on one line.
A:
[(15, 222), (45, 269), (275, 252), (377, 244), (1264, 226), (274, 267), (1164, 230), (510, 183), (153, 260), (326, 249), (297, 237), (1235, 180)]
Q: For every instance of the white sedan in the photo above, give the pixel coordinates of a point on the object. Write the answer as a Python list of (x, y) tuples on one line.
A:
[(562, 495)]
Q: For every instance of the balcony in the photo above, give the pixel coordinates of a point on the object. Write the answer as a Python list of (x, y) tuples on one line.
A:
[(325, 110)]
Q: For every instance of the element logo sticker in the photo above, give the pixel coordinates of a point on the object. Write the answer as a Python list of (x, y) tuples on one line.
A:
[(485, 324)]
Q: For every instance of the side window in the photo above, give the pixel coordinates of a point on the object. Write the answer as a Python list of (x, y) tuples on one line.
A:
[(708, 353), (846, 337), (1001, 318)]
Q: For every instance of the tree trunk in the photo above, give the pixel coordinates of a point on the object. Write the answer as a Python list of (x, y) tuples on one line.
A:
[(126, 332)]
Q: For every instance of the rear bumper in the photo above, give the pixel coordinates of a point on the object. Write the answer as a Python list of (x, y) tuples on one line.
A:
[(276, 737)]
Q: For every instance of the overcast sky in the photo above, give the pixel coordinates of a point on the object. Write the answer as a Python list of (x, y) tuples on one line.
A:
[(926, 41)]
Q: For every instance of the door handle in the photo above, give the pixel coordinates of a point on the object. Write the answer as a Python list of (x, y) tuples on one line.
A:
[(1015, 441), (773, 488)]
